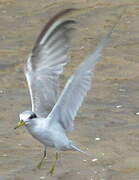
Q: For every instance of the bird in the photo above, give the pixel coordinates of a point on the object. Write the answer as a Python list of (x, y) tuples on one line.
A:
[(53, 112)]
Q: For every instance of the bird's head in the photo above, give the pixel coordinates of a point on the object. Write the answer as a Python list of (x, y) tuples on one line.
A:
[(25, 118)]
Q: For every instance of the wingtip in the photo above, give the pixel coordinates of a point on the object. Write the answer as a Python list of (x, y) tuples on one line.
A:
[(52, 21)]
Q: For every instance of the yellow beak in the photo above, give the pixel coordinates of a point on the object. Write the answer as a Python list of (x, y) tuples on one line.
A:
[(19, 124)]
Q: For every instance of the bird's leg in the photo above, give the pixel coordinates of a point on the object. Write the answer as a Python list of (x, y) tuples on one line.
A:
[(40, 163), (51, 172)]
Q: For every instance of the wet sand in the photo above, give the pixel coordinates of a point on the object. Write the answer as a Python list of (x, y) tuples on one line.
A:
[(107, 125)]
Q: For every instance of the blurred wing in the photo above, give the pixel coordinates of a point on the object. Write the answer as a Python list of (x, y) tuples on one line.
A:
[(46, 63), (75, 90)]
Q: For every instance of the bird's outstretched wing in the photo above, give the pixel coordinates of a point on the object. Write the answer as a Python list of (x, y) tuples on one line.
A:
[(75, 90), (46, 63)]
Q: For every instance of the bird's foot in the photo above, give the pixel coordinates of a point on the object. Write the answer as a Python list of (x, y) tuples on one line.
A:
[(40, 163), (51, 172)]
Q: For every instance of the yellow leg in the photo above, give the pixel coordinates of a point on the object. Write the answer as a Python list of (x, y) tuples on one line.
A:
[(51, 172), (40, 163)]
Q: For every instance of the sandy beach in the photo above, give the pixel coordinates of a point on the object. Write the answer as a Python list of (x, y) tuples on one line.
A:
[(107, 125)]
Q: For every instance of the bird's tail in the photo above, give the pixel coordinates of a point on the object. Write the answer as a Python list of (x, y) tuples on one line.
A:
[(75, 148)]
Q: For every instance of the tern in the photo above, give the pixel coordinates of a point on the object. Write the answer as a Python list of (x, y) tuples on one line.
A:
[(53, 113)]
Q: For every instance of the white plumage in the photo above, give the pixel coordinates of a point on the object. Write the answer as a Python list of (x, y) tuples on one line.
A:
[(53, 114)]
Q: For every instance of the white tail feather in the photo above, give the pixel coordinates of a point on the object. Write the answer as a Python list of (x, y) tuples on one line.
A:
[(79, 150)]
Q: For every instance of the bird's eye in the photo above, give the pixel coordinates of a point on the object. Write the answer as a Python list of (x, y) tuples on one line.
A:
[(32, 116)]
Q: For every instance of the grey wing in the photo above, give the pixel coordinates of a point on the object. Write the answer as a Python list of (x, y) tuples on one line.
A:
[(75, 90), (46, 63)]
